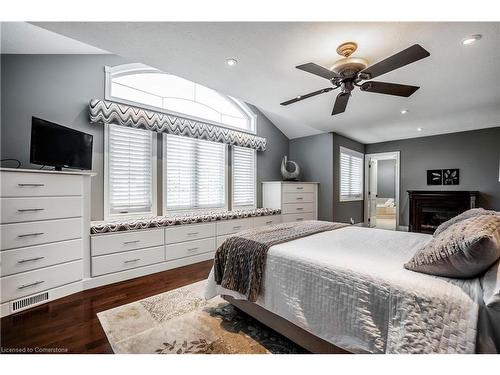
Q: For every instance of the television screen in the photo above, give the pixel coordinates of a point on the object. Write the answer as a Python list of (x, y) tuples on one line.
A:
[(59, 146)]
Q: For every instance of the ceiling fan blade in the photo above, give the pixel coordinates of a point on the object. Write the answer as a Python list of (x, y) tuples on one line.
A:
[(317, 70), (302, 97), (400, 59), (389, 88), (340, 103)]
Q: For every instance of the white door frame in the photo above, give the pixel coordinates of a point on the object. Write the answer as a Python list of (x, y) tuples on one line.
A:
[(382, 156)]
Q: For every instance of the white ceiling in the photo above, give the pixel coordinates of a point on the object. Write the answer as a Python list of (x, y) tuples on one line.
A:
[(459, 86), (24, 38)]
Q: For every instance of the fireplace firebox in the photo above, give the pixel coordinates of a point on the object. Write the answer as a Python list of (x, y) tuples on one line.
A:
[(428, 209)]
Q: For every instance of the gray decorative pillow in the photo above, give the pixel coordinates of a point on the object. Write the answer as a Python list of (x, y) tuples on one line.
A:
[(466, 249), (464, 215)]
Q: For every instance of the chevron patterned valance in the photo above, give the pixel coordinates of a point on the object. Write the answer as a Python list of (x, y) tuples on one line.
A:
[(106, 112)]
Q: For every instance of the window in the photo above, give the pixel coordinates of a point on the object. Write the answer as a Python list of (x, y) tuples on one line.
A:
[(194, 174), (351, 175), (140, 84), (130, 168), (243, 178)]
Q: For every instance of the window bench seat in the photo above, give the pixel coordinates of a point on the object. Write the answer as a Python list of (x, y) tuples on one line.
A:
[(127, 249)]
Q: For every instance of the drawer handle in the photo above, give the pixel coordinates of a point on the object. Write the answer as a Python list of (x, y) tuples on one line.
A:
[(129, 242), (30, 209), (193, 233), (31, 284), (30, 185), (299, 187), (237, 227), (29, 260), (269, 222), (30, 234), (132, 260), (299, 198), (299, 219), (193, 249), (300, 208)]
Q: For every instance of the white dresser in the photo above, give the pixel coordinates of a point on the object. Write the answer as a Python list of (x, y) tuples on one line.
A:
[(297, 200), (44, 223)]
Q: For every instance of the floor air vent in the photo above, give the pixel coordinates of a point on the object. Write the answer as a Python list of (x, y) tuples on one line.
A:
[(26, 303)]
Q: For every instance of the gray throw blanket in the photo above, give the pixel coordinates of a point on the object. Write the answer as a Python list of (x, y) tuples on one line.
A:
[(240, 260)]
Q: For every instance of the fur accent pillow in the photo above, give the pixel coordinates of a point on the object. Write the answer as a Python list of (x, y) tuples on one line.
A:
[(473, 212), (466, 249)]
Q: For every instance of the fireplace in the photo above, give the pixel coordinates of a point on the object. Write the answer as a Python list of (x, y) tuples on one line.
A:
[(428, 209)]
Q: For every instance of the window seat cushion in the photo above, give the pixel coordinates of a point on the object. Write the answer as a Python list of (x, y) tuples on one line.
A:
[(98, 227)]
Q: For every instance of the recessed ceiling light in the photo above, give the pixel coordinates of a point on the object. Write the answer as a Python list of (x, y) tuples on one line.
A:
[(419, 129), (471, 39), (404, 111), (231, 62)]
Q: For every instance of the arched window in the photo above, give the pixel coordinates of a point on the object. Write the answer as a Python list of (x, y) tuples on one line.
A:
[(138, 84)]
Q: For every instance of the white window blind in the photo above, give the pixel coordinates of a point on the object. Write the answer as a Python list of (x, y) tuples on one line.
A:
[(130, 171), (243, 177), (195, 174), (351, 175)]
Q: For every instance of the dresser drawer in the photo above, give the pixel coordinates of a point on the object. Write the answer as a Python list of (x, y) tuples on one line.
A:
[(296, 208), (125, 241), (189, 232), (15, 210), (27, 283), (221, 239), (124, 261), (266, 220), (298, 188), (34, 257), (233, 226), (185, 249), (39, 232), (297, 217), (16, 184), (298, 198)]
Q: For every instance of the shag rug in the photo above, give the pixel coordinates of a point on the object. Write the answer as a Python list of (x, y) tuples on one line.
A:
[(181, 321)]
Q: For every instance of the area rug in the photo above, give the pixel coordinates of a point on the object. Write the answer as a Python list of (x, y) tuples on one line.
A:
[(181, 321)]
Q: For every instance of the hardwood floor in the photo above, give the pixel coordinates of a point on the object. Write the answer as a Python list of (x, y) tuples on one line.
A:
[(70, 324)]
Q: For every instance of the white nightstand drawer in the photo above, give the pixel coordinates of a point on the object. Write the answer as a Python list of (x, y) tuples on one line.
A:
[(297, 208), (189, 232), (34, 257), (298, 198), (125, 241), (221, 239), (26, 283), (297, 217), (298, 188), (233, 226), (16, 210), (124, 261), (185, 249), (39, 185), (39, 232), (266, 220)]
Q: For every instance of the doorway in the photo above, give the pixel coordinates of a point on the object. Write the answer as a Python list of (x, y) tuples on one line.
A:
[(382, 190)]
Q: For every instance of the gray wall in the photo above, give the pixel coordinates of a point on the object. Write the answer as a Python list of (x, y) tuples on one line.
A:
[(344, 211), (59, 87), (314, 155), (476, 153), (386, 178)]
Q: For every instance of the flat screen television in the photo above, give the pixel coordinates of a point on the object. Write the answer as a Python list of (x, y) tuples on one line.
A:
[(58, 146)]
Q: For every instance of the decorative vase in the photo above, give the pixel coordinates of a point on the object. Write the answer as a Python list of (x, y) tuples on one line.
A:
[(290, 170)]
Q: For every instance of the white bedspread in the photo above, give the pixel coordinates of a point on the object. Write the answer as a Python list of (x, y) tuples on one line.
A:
[(349, 287)]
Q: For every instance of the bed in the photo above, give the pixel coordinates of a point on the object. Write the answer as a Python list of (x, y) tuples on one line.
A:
[(348, 288)]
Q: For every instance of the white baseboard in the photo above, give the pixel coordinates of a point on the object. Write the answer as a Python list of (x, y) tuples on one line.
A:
[(54, 294), (95, 282)]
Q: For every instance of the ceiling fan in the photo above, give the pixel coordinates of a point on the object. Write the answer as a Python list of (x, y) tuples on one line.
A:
[(349, 72)]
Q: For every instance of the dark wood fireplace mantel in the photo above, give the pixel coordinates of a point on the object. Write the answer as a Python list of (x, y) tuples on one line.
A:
[(429, 208)]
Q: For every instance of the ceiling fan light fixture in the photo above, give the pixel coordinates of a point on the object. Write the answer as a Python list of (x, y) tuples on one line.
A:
[(404, 112), (471, 39)]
